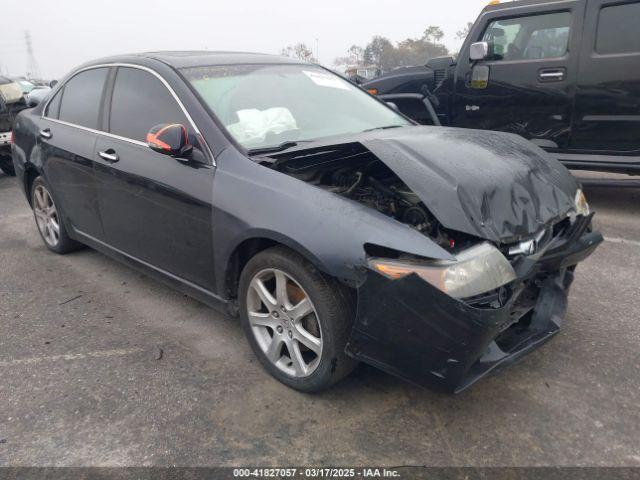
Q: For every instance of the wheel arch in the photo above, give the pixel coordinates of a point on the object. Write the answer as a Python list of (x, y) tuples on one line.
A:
[(30, 174), (250, 246)]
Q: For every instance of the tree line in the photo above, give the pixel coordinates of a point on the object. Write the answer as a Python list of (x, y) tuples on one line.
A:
[(383, 53)]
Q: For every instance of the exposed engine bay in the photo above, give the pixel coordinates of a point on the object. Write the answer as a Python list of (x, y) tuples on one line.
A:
[(352, 171)]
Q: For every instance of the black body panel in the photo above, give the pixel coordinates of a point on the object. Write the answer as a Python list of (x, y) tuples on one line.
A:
[(606, 118), (158, 209), (410, 329), (69, 170), (517, 99)]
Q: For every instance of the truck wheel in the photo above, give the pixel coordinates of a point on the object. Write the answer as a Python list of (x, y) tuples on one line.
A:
[(49, 219), (6, 165), (296, 319)]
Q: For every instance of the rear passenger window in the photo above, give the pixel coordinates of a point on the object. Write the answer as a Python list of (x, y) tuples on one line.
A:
[(618, 29), (82, 97), (140, 101), (529, 38)]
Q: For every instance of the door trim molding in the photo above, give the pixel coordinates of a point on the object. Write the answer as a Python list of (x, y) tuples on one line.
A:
[(200, 293)]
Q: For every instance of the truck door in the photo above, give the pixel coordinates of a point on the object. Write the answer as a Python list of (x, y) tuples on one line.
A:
[(525, 84), (607, 105)]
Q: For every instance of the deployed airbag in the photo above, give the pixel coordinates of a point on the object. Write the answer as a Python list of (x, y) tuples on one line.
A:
[(254, 125)]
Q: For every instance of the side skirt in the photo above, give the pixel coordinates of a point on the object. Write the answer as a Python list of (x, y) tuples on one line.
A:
[(201, 294)]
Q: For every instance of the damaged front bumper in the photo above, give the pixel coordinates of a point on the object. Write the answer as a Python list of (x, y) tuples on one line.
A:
[(409, 328)]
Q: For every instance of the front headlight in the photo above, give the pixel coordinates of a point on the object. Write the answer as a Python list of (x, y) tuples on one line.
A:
[(477, 270), (582, 207)]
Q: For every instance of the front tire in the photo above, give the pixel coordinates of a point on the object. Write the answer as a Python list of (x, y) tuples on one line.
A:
[(49, 219), (296, 319)]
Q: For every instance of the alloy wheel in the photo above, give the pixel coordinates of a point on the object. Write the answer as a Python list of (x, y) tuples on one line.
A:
[(46, 216), (284, 322)]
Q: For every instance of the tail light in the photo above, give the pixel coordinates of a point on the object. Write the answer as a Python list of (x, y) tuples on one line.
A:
[(373, 91)]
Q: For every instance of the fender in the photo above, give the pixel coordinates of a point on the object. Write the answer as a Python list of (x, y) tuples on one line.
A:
[(252, 200)]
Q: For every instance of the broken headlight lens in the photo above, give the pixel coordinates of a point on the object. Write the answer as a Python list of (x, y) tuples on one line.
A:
[(476, 270), (582, 207)]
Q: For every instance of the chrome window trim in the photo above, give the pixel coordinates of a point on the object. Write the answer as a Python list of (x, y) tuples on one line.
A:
[(118, 137), (99, 132)]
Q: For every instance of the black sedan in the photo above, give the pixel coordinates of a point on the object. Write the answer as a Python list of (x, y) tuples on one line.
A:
[(336, 228)]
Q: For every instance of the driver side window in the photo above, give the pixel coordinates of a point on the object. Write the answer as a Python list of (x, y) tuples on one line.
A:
[(140, 101), (529, 38)]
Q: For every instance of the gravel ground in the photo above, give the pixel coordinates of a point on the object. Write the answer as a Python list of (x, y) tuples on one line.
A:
[(100, 365)]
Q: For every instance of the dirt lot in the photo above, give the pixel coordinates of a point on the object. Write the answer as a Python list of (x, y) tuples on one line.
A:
[(102, 366)]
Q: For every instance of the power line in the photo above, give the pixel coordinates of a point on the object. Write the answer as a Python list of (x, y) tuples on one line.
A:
[(33, 71)]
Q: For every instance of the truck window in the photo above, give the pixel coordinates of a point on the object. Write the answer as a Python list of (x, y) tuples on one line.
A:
[(618, 29), (529, 38)]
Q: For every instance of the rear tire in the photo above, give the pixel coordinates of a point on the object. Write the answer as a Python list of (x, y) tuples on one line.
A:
[(49, 219), (296, 319), (6, 165)]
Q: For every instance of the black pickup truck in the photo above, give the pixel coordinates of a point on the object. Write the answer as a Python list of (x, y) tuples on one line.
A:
[(11, 102), (564, 74)]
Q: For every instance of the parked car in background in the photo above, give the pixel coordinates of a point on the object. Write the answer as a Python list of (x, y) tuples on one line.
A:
[(362, 74), (37, 95), (11, 102), (26, 86), (335, 227), (563, 74)]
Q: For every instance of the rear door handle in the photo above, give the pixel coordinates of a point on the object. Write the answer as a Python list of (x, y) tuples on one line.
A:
[(552, 74), (109, 155), (45, 133)]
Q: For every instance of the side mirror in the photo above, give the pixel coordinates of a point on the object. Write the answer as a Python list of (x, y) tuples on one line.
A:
[(393, 105), (169, 139), (479, 51), (53, 83)]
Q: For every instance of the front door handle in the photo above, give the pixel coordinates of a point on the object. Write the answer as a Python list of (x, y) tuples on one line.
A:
[(45, 133), (552, 74), (109, 155)]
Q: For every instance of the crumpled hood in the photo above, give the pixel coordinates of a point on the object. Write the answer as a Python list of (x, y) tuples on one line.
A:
[(493, 185)]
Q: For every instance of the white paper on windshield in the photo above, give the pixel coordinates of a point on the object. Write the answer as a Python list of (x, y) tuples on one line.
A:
[(254, 125), (326, 80)]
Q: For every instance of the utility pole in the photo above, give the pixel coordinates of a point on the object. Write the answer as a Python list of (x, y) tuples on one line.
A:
[(32, 65)]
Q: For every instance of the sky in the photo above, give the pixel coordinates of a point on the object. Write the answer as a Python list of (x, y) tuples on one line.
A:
[(66, 33)]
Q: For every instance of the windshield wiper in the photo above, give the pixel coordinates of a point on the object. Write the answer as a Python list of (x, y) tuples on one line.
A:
[(278, 148), (383, 128)]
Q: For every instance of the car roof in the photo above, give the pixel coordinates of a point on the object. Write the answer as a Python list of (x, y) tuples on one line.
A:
[(515, 4), (200, 58)]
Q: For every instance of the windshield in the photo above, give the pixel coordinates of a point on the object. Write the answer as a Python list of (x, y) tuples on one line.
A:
[(26, 86), (263, 106)]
